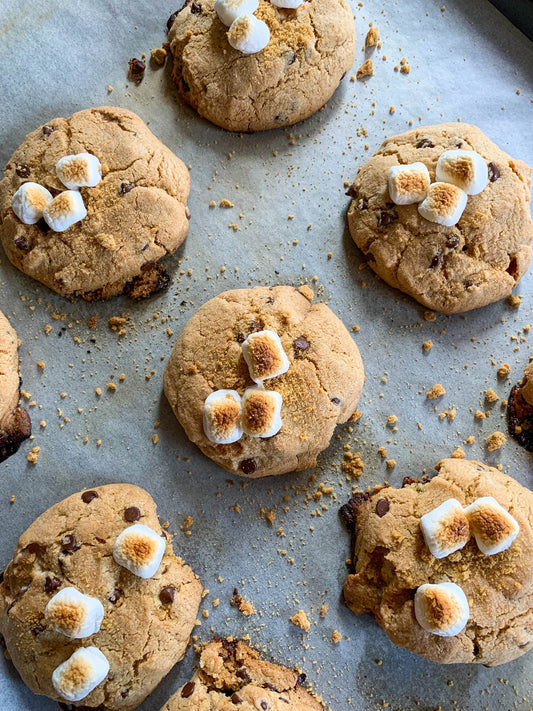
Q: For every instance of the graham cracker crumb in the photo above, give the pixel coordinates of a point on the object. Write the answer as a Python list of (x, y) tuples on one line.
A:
[(336, 637), (504, 370), (307, 292), (436, 391), (242, 604), (427, 345), (300, 620), (458, 453), (490, 396), (372, 37), (495, 441), (158, 55), (365, 70)]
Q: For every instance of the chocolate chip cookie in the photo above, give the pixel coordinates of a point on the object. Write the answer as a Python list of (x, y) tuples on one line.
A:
[(15, 425), (232, 674), (395, 567), (310, 50), (455, 268), (135, 215), (143, 624), (262, 423), (520, 410)]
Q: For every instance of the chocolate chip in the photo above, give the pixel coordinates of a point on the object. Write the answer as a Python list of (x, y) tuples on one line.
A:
[(248, 466), (264, 705), (51, 583), (88, 496), (137, 67), (196, 8), (270, 299), (351, 192), (290, 57), (349, 510), (424, 143), (236, 699), (382, 507), (301, 344), (167, 594), (132, 514), (301, 679), (255, 326), (188, 213), (271, 687), (409, 480), (38, 629), (171, 19), (469, 283), (494, 172), (126, 188), (69, 543), (453, 241), (187, 690), (47, 130), (35, 548), (386, 218), (23, 171), (115, 596), (240, 338), (243, 674), (22, 243), (436, 261), (125, 693), (458, 144), (335, 401)]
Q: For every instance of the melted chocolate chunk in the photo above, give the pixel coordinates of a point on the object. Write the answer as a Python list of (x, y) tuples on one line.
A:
[(23, 171), (349, 510), (351, 192), (47, 130), (386, 218), (424, 143), (243, 674), (115, 596), (125, 693), (187, 690), (137, 67), (22, 243), (126, 188), (35, 548), (453, 241), (167, 594), (38, 628), (88, 496), (152, 280), (264, 705), (236, 699), (301, 344), (196, 8), (436, 261), (382, 507), (69, 543), (51, 583), (335, 400), (301, 679), (171, 19), (520, 419), (248, 466), (409, 480), (494, 172), (132, 513)]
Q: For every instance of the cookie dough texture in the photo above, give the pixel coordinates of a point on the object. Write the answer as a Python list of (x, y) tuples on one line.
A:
[(141, 637), (15, 425), (520, 410), (391, 561), (233, 675), (449, 269), (136, 215), (310, 50), (320, 389)]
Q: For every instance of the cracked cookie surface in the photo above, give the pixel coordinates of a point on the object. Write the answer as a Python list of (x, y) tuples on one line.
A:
[(320, 389), (449, 269), (143, 634), (15, 425), (391, 561), (233, 675), (310, 50), (137, 214)]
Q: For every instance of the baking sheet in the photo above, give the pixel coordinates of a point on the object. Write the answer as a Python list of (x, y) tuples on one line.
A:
[(466, 61)]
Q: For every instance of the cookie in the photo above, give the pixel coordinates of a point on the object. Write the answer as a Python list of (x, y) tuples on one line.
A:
[(283, 423), (136, 213), (15, 425), (520, 410), (472, 260), (309, 51), (400, 580), (232, 674), (145, 622)]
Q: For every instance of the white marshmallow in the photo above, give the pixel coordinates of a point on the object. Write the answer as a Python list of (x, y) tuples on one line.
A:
[(445, 529), (261, 412), (222, 417), (80, 674), (229, 10), (140, 550), (29, 202), (74, 614), (82, 170), (493, 526), (441, 609), (408, 183), (444, 204), (248, 34), (264, 356), (65, 210), (288, 4), (466, 169)]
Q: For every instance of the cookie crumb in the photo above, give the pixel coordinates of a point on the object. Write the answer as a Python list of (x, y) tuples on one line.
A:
[(429, 316), (504, 370), (307, 292), (323, 611), (514, 301), (427, 345), (490, 396), (436, 391), (336, 637), (300, 620), (458, 453), (242, 604), (159, 56), (495, 441), (372, 37), (365, 70), (225, 203)]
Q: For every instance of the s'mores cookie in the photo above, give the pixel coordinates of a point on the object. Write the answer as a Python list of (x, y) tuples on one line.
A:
[(520, 410)]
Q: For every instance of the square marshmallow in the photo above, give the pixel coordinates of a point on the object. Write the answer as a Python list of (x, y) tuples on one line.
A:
[(222, 417), (140, 550), (261, 412)]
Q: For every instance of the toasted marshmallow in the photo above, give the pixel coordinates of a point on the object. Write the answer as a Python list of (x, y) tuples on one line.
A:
[(82, 170), (288, 4), (493, 526), (261, 412), (139, 549), (80, 674), (441, 609), (408, 183), (29, 202), (229, 10), (445, 529), (64, 210), (466, 169), (248, 34), (74, 614), (222, 417), (444, 204), (264, 355)]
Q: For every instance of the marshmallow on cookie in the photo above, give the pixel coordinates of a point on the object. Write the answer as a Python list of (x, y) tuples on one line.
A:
[(264, 356), (441, 609), (222, 417), (408, 184), (444, 204), (445, 529), (140, 550), (248, 34), (493, 527), (29, 202), (465, 169), (65, 210), (287, 4), (74, 614), (229, 10), (82, 170), (261, 412), (80, 673)]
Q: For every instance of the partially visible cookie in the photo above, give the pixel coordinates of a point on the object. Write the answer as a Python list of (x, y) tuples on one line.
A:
[(15, 425), (520, 410), (276, 412), (233, 675), (394, 564), (458, 259), (309, 51), (146, 622), (136, 214)]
